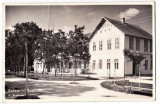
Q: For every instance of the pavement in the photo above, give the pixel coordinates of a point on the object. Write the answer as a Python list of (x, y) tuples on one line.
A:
[(50, 91)]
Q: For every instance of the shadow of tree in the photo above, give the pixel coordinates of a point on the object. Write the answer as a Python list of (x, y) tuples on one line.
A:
[(45, 88)]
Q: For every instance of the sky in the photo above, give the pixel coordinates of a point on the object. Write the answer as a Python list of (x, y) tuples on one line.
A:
[(66, 16)]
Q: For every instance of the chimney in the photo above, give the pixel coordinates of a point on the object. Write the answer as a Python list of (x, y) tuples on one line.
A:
[(123, 20)]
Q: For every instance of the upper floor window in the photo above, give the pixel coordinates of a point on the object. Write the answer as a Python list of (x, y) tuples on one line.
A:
[(100, 64), (116, 63), (108, 63), (150, 45), (137, 44), (94, 64), (100, 45), (94, 46), (117, 43), (146, 64), (108, 44), (146, 45), (131, 43)]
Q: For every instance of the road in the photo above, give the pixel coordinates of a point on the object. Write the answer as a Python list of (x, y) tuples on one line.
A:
[(50, 91)]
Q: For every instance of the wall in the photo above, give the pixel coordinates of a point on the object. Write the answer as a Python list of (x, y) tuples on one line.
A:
[(108, 31), (129, 66), (38, 68)]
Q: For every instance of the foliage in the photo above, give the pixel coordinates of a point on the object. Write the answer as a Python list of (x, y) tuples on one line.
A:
[(44, 45), (15, 50), (49, 46), (120, 88), (135, 58), (78, 44)]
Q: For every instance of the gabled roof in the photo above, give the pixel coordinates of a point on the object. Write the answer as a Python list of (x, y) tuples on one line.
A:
[(126, 28)]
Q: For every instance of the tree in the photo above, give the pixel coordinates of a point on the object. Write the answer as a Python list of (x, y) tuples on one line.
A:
[(77, 46), (27, 32), (49, 46), (13, 52), (135, 58), (19, 42)]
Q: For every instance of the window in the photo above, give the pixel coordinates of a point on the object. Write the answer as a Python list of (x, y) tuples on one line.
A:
[(94, 64), (151, 65), (37, 65), (79, 64), (100, 45), (109, 44), (40, 65), (137, 44), (131, 43), (108, 64), (94, 46), (100, 64), (116, 63), (117, 43), (146, 64), (146, 45), (150, 45)]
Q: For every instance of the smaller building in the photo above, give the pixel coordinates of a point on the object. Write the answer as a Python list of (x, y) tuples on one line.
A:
[(66, 66)]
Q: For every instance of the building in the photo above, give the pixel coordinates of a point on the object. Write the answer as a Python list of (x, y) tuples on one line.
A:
[(67, 66), (107, 44)]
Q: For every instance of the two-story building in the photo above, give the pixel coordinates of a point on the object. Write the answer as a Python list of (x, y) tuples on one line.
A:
[(107, 44)]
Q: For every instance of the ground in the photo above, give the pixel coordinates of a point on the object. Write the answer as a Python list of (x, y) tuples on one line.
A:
[(89, 90)]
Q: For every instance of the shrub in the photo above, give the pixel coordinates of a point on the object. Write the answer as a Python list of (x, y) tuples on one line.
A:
[(84, 71), (119, 86)]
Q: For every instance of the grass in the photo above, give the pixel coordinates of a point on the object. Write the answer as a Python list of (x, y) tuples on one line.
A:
[(134, 84), (58, 77)]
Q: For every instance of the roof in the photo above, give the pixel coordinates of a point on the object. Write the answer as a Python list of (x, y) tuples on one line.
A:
[(126, 28)]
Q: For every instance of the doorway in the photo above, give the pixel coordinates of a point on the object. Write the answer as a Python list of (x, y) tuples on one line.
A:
[(134, 68)]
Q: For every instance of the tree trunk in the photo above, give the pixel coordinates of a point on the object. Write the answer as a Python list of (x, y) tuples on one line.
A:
[(74, 73), (55, 73), (26, 89), (24, 67)]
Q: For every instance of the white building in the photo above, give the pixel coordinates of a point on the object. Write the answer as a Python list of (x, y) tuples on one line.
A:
[(107, 43)]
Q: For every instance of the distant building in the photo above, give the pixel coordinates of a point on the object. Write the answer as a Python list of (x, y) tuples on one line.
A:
[(107, 43)]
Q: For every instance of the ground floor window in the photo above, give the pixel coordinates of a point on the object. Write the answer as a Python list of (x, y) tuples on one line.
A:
[(70, 65), (108, 64), (146, 64), (100, 64), (116, 63), (93, 64), (151, 64)]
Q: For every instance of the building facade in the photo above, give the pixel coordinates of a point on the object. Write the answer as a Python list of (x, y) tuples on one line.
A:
[(65, 66), (108, 42)]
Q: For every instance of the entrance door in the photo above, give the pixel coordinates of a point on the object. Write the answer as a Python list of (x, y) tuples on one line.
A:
[(109, 73), (134, 69)]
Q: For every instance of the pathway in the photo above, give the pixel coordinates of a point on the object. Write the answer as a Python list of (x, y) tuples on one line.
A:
[(64, 91)]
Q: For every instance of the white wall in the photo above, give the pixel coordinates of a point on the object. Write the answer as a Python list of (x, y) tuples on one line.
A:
[(108, 31), (38, 68)]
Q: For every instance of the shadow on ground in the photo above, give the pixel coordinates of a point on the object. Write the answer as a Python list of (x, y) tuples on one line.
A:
[(44, 88)]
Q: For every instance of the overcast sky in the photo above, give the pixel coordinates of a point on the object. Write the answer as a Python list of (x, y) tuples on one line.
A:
[(65, 17)]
